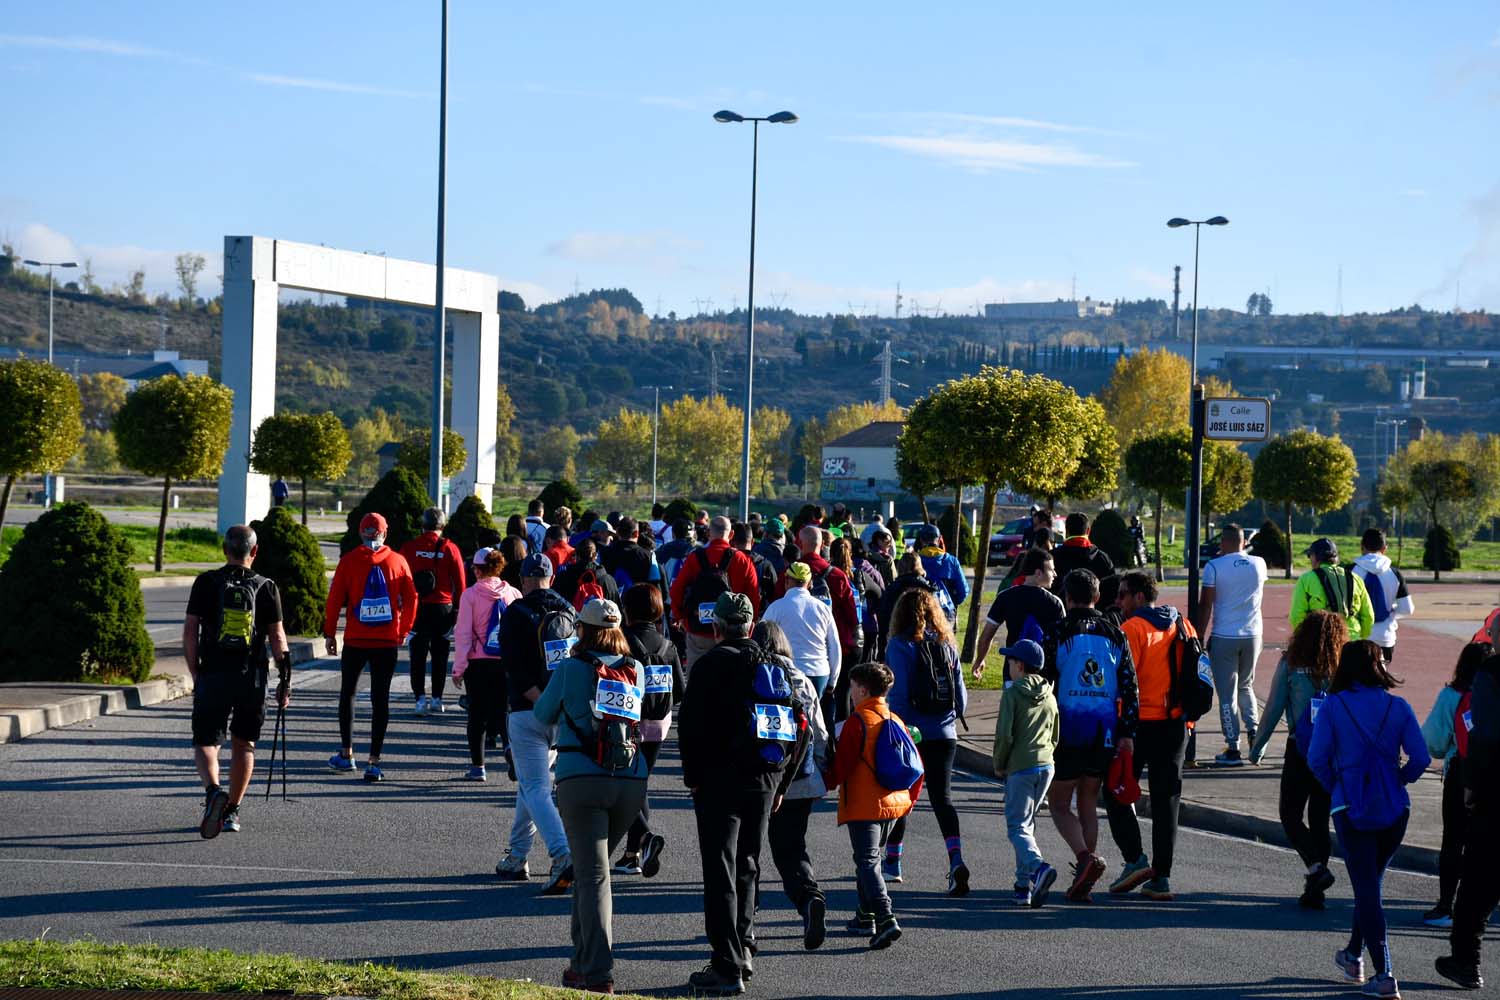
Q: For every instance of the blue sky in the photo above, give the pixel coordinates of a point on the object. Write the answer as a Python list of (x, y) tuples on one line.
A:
[(972, 152)]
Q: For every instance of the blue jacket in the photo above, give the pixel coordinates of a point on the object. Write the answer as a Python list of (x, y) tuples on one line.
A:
[(942, 568), (901, 657), (1337, 743)]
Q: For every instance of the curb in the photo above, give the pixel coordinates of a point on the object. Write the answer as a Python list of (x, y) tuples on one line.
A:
[(94, 700), (1409, 857)]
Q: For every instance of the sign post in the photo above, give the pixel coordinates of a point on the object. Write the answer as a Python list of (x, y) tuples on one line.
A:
[(1217, 419)]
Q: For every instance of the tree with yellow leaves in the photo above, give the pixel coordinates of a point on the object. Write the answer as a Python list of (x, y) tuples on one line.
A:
[(1148, 394)]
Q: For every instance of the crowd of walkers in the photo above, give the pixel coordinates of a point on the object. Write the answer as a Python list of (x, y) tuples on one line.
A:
[(801, 656)]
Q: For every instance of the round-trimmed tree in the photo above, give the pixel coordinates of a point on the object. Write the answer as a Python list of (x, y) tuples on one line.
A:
[(41, 411), (174, 428), (560, 493), (290, 556), (1304, 469), (680, 509), (471, 517), (399, 497), (73, 606), (1162, 465), (301, 445)]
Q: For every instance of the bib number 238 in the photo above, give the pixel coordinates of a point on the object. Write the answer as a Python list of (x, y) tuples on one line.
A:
[(618, 699), (774, 722)]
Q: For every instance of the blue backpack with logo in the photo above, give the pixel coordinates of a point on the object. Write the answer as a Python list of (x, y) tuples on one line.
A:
[(375, 605), (898, 765), (1087, 687), (492, 630)]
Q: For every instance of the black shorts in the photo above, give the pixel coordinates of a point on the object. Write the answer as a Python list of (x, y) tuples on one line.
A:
[(1072, 763), (228, 700)]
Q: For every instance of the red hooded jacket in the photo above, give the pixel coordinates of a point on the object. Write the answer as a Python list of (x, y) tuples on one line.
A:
[(431, 552), (742, 580), (347, 591)]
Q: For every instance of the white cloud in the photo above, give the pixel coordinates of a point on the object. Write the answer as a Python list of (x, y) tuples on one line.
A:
[(1005, 121), (79, 43), (533, 293), (114, 264), (662, 252), (991, 154), (333, 86)]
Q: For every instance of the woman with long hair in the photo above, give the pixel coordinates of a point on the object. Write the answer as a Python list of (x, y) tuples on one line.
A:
[(477, 669), (929, 696), (1303, 677), (1358, 738), (601, 777), (515, 527), (513, 547), (1442, 742)]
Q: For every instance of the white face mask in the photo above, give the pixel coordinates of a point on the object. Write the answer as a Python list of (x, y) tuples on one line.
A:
[(375, 544)]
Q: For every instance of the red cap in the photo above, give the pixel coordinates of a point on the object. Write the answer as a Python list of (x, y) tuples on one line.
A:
[(372, 524)]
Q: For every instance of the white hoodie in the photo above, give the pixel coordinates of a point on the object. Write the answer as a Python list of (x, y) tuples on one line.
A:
[(1376, 571)]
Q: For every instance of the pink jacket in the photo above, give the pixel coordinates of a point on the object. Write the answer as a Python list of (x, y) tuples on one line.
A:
[(474, 609)]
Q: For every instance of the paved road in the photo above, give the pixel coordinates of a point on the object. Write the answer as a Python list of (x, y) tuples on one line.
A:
[(97, 839)]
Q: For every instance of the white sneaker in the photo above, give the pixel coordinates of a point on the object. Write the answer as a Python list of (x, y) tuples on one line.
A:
[(513, 868), (435, 706), (422, 706)]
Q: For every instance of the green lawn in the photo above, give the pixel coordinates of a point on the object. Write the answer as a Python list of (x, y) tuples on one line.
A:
[(183, 545), (86, 965)]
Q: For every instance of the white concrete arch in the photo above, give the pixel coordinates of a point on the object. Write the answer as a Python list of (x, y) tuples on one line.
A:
[(256, 268)]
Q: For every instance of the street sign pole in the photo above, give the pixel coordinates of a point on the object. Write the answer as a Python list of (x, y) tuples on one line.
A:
[(1195, 503)]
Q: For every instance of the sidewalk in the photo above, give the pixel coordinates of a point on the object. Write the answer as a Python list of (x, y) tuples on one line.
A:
[(33, 706)]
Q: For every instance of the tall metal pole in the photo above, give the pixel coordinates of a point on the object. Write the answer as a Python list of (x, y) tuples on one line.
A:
[(49, 314), (439, 313), (655, 426), (1194, 513), (750, 334), (1197, 228)]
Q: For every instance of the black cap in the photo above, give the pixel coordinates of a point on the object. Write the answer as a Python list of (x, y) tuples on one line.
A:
[(1323, 550)]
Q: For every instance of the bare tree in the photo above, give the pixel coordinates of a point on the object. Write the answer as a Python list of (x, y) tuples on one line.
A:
[(189, 266)]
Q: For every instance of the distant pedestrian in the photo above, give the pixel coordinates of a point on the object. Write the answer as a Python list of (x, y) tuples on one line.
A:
[(1077, 551), (1229, 613), (373, 588), (942, 570), (536, 527), (1359, 739), (1026, 734), (279, 492), (233, 616), (704, 574), (1389, 599)]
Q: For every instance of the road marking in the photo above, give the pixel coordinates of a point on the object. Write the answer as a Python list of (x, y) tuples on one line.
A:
[(168, 864)]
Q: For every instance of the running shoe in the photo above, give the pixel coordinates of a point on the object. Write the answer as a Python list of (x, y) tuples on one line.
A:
[(560, 878), (863, 922), (214, 806), (1439, 916), (572, 979), (627, 865), (1135, 873), (1321, 880), (232, 820), (1021, 895), (1159, 889), (1041, 884), (886, 934), (512, 868), (434, 706), (1311, 899), (1465, 974), (1229, 758), (710, 982), (1382, 985), (958, 882), (373, 773), (890, 869), (814, 924), (651, 855), (1352, 966), (338, 762), (421, 706), (1085, 874), (476, 774)]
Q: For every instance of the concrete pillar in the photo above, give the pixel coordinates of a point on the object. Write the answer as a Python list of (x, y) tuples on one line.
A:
[(476, 382), (249, 368)]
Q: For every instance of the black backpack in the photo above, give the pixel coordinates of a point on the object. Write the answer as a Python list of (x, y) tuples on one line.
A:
[(765, 576), (931, 689), (706, 587), (1192, 688), (660, 682), (235, 632), (555, 627)]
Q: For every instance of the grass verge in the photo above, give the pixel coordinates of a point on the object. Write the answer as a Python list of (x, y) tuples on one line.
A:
[(182, 545), (41, 964)]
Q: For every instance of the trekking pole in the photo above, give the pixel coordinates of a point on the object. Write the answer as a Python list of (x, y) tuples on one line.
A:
[(278, 735)]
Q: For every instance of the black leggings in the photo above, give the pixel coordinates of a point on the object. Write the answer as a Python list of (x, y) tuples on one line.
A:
[(430, 635), (642, 825), (1455, 831), (1301, 794), (485, 682), (382, 664), (937, 759)]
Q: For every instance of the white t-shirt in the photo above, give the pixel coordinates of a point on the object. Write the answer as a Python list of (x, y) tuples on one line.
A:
[(1239, 580)]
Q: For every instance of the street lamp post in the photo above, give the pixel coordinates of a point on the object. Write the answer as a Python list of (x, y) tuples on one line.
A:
[(439, 310), (779, 118), (49, 265), (1195, 500), (655, 426)]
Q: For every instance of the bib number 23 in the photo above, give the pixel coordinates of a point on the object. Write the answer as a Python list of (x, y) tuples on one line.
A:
[(774, 722)]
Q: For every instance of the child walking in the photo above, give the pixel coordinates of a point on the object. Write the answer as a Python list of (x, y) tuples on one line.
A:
[(866, 807), (1026, 733)]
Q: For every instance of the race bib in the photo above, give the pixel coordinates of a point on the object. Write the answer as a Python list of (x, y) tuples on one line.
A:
[(659, 679), (1312, 710), (619, 699), (1468, 722), (558, 650), (774, 722), (374, 610), (826, 598), (1205, 669), (706, 614)]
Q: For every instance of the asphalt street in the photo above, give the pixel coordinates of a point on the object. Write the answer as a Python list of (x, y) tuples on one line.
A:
[(98, 839)]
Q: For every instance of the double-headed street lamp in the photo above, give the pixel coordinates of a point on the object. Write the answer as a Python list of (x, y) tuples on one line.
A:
[(49, 265), (1195, 397), (732, 117)]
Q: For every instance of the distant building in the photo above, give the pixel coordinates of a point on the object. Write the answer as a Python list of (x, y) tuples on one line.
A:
[(133, 368), (861, 465), (1085, 308)]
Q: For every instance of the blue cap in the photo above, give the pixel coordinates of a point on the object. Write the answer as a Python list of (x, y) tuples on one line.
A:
[(1027, 651), (928, 533), (536, 567), (603, 526)]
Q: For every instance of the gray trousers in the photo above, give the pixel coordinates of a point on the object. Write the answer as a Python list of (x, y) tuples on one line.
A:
[(596, 813), (1233, 662)]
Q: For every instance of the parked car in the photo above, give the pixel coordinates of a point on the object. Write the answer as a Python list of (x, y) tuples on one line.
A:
[(1210, 550), (1005, 544)]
